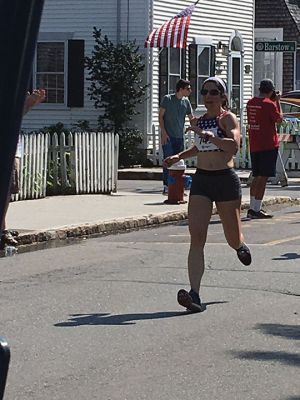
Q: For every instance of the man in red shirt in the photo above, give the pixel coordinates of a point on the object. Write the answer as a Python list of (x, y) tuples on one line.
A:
[(263, 113)]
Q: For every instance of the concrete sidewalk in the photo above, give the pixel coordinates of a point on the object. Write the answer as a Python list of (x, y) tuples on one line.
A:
[(62, 217)]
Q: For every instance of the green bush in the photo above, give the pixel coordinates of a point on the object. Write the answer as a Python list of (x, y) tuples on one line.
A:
[(130, 152), (115, 72)]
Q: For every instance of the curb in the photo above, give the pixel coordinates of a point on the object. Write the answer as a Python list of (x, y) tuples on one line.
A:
[(122, 225), (154, 175)]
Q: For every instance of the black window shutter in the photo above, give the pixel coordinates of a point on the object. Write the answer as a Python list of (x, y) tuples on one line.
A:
[(212, 61), (75, 73), (183, 63), (163, 73), (193, 73)]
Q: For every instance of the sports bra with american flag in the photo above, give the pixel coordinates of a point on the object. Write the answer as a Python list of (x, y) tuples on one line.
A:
[(211, 125)]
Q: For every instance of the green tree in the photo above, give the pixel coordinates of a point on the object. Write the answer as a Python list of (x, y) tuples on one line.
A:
[(116, 76)]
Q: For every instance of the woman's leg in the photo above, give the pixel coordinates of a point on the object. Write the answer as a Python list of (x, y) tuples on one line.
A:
[(199, 214), (229, 212)]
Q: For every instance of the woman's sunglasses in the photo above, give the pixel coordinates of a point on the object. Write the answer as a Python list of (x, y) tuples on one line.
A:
[(212, 92)]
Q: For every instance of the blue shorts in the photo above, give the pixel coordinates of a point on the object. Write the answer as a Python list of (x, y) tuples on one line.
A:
[(264, 163), (221, 185)]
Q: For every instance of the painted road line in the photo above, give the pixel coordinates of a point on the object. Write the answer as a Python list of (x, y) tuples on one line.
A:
[(280, 241)]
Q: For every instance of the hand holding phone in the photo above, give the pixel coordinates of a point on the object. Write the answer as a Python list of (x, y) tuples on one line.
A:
[(275, 95)]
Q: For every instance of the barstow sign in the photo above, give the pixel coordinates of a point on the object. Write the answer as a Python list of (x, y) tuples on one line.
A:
[(275, 46)]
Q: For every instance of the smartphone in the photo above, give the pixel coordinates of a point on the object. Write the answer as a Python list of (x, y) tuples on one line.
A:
[(4, 363)]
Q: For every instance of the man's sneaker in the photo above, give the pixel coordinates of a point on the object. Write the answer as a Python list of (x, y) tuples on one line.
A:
[(190, 300), (261, 214), (165, 190), (244, 254)]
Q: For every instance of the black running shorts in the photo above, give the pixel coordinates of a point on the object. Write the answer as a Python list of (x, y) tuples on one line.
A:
[(218, 186), (264, 162)]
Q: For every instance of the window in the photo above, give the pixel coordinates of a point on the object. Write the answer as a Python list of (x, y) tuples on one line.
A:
[(286, 107), (59, 68), (175, 68), (236, 85), (203, 72), (171, 68), (295, 109), (50, 70), (201, 66)]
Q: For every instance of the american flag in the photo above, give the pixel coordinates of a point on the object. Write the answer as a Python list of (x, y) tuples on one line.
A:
[(172, 33)]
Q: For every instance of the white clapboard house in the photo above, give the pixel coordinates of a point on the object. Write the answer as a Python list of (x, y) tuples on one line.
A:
[(219, 42)]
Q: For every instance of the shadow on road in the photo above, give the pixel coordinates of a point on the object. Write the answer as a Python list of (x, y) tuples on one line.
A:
[(287, 331), (277, 356), (287, 256), (123, 319), (291, 332)]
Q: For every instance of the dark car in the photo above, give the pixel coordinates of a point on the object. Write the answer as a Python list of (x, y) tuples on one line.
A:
[(294, 94)]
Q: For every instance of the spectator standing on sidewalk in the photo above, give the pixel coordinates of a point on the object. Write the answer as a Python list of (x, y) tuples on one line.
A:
[(7, 238), (172, 113), (263, 113), (217, 138)]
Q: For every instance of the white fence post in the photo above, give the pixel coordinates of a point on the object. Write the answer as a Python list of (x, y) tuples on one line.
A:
[(33, 169)]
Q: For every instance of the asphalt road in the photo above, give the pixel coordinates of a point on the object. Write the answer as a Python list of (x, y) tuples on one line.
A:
[(99, 319), (150, 186)]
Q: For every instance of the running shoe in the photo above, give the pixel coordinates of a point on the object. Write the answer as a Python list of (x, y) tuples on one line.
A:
[(244, 254), (190, 300), (261, 214)]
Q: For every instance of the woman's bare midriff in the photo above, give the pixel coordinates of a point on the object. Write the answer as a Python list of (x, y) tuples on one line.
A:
[(213, 161)]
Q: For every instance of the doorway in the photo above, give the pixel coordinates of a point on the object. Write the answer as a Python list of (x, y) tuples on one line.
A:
[(235, 74)]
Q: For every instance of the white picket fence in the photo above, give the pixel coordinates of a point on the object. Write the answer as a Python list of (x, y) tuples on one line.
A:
[(80, 162), (33, 166), (291, 154), (96, 162)]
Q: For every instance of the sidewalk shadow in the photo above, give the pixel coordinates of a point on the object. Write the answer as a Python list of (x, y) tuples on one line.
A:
[(123, 319), (155, 204), (287, 256), (147, 191)]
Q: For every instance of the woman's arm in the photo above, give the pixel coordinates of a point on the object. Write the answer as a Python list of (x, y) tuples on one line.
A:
[(230, 124), (191, 152)]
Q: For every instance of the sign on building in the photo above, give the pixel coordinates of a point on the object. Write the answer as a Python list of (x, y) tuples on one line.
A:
[(275, 46)]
